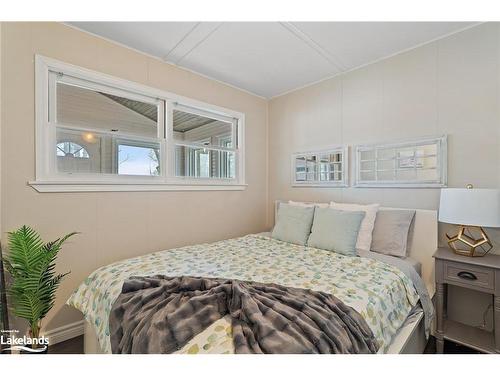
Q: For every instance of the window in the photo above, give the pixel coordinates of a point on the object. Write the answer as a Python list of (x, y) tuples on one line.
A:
[(109, 132), (120, 130), (204, 144), (322, 168), (418, 163)]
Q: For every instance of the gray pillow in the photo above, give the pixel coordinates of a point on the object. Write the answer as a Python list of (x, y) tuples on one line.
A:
[(336, 230), (293, 223), (390, 234)]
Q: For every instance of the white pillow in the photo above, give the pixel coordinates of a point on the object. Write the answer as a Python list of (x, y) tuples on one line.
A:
[(364, 241), (303, 204)]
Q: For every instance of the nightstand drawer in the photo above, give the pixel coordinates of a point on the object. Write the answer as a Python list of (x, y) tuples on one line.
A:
[(468, 275)]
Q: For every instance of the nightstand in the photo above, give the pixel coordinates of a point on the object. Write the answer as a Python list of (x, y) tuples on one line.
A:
[(481, 274)]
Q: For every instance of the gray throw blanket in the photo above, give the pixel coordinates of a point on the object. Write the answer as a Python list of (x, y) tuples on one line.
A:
[(161, 314)]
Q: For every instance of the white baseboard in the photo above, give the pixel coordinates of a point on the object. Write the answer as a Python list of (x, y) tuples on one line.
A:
[(64, 333)]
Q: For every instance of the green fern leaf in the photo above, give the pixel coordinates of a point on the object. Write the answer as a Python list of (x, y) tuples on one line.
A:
[(31, 264)]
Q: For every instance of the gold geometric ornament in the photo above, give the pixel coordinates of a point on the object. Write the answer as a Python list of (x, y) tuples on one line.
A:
[(464, 242)]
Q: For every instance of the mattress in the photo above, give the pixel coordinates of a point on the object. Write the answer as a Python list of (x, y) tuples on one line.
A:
[(381, 293)]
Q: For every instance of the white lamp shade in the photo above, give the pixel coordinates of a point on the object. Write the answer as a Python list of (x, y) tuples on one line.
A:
[(476, 207)]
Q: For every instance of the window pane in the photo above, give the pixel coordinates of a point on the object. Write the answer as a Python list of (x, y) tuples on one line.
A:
[(138, 160), (199, 162), (86, 108), (226, 164), (335, 176), (71, 149), (90, 152), (68, 160), (193, 128)]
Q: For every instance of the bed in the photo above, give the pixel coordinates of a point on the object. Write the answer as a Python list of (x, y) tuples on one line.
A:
[(380, 292)]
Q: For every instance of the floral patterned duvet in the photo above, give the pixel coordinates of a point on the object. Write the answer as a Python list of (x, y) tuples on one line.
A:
[(381, 293)]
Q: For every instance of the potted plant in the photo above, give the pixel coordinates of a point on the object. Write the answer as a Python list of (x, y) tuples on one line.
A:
[(31, 265)]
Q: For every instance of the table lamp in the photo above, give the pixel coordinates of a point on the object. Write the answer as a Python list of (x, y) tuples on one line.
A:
[(471, 209)]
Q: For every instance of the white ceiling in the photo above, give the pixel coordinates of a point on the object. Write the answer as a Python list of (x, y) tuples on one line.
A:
[(271, 58)]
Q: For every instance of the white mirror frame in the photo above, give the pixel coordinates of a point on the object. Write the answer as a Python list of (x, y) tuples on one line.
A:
[(441, 163), (343, 150)]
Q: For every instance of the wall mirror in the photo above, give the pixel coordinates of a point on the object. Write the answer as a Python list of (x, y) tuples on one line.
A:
[(320, 168)]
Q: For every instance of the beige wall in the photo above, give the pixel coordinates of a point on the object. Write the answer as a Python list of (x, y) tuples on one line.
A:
[(116, 226), (450, 86)]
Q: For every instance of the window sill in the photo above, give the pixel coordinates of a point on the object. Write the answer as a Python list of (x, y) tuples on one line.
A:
[(69, 187)]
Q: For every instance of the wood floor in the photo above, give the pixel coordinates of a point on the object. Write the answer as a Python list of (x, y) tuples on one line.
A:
[(75, 346), (72, 346)]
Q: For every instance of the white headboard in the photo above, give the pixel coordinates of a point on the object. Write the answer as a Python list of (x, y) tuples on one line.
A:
[(422, 242)]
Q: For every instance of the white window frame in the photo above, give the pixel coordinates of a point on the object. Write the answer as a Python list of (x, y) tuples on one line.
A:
[(47, 179), (343, 150), (441, 163)]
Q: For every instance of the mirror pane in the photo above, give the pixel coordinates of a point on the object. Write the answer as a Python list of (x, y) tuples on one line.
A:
[(406, 174), (386, 153), (367, 165), (386, 164), (385, 175), (367, 155)]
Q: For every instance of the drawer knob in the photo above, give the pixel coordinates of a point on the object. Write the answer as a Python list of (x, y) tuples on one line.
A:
[(466, 275)]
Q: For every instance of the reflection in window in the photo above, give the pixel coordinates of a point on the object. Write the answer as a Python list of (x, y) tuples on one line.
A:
[(226, 159), (204, 145), (138, 160), (71, 149), (101, 133), (75, 153), (84, 107), (199, 161)]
